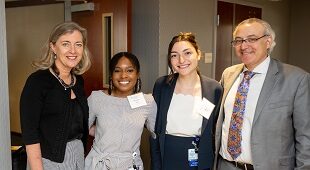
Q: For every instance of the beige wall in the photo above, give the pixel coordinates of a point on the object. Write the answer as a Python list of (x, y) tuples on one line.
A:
[(27, 30), (145, 39), (300, 34), (278, 16), (186, 16)]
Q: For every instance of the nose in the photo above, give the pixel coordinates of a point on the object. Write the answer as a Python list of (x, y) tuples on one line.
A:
[(72, 49), (123, 74), (181, 59), (244, 45)]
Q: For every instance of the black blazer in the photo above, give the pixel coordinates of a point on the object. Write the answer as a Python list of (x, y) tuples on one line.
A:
[(162, 92)]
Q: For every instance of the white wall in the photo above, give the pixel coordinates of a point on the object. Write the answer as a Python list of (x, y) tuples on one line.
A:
[(28, 29), (5, 142)]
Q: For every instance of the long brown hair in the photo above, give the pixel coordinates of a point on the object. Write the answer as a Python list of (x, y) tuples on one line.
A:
[(182, 36)]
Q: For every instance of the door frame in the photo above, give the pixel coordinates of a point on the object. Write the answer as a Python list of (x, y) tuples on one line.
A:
[(215, 19)]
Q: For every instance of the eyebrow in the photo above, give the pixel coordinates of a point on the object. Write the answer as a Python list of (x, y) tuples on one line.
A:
[(187, 49), (252, 35), (125, 67), (70, 42), (182, 51)]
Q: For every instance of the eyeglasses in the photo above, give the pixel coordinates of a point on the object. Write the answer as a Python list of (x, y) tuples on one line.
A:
[(238, 42)]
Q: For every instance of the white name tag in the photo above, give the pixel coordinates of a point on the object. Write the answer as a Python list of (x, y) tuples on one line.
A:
[(205, 108), (136, 100)]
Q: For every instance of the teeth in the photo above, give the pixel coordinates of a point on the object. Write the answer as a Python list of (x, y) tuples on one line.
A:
[(72, 57), (123, 82), (183, 66)]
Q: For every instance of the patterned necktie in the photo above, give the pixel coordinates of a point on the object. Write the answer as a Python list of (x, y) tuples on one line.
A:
[(234, 134)]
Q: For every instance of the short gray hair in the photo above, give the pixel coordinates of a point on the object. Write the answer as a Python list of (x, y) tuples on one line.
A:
[(268, 30)]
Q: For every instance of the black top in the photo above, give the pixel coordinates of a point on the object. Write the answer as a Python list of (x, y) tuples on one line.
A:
[(46, 114), (76, 126)]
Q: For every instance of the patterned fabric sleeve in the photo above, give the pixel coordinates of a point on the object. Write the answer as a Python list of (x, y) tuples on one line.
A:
[(91, 103), (151, 118)]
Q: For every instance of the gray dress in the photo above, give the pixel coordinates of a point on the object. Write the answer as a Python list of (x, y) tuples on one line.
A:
[(118, 131)]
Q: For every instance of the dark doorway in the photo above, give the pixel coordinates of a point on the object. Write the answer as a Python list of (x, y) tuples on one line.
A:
[(229, 15)]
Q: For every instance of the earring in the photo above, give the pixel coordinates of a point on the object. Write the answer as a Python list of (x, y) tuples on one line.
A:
[(55, 56), (138, 86), (110, 87)]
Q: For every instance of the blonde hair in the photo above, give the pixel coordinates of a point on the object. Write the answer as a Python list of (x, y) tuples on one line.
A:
[(47, 60)]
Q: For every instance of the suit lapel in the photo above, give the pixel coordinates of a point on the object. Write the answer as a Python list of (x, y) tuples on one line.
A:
[(166, 97), (269, 83), (229, 80)]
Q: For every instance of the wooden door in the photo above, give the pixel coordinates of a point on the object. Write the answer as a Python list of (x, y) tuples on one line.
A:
[(225, 15), (229, 15)]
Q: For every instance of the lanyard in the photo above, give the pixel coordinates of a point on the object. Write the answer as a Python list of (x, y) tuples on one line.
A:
[(195, 142)]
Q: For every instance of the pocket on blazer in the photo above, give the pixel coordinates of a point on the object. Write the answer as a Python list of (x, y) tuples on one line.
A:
[(279, 104), (288, 160)]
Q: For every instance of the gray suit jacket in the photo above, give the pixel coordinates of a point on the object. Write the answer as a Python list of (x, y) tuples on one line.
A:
[(280, 135)]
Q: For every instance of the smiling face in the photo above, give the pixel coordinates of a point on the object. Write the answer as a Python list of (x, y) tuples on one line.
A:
[(184, 58), (69, 50), (252, 54), (124, 78)]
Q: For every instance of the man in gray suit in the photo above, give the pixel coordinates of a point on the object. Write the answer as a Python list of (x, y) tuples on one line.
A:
[(264, 119)]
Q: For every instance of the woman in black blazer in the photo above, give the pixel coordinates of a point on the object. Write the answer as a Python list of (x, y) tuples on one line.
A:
[(187, 105)]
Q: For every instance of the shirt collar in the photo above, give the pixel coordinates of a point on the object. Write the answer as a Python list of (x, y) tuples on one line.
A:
[(262, 68)]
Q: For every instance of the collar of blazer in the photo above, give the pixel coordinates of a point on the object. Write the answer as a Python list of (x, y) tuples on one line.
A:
[(230, 75), (270, 82), (168, 92)]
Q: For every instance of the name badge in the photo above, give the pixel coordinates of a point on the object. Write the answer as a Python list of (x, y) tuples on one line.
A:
[(192, 158), (136, 100), (205, 108)]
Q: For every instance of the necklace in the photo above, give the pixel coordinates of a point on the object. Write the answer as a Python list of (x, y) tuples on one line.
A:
[(66, 86)]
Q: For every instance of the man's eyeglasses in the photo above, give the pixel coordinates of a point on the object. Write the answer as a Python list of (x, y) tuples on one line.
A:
[(238, 42)]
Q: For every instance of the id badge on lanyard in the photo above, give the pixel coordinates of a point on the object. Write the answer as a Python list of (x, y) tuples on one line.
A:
[(193, 153)]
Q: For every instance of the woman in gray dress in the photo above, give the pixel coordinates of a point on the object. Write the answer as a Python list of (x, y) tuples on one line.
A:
[(120, 114)]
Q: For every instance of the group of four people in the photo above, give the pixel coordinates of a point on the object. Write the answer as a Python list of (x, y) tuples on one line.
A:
[(256, 117)]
